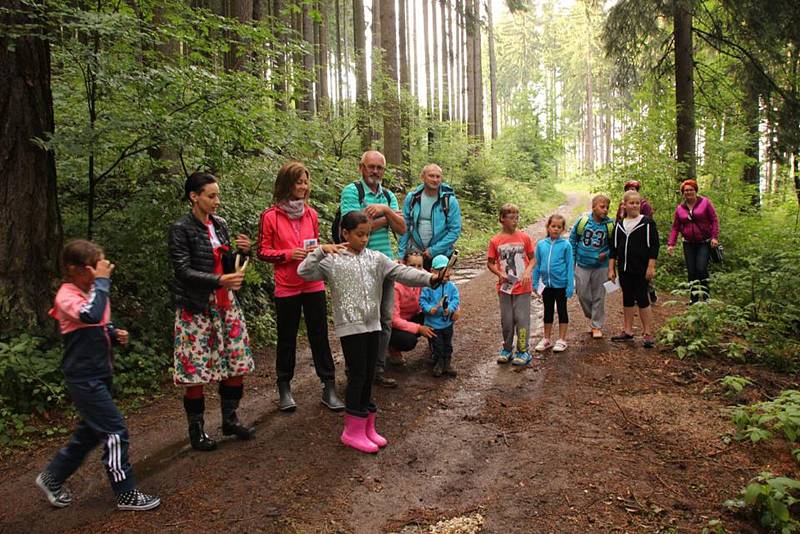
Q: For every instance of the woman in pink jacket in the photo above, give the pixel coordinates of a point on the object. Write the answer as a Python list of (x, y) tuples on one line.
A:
[(696, 220), (288, 231), (407, 318)]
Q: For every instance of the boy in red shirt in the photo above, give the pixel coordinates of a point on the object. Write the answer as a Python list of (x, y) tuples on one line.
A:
[(510, 258)]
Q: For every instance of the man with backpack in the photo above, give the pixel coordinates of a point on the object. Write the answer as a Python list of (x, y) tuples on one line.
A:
[(432, 216), (382, 208)]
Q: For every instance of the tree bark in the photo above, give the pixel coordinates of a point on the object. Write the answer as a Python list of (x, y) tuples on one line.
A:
[(307, 102), (435, 79), (323, 92), (405, 71), (278, 75), (362, 97), (339, 69), (30, 224), (492, 70), (391, 119), (752, 171), (377, 65), (242, 11), (445, 64), (684, 88)]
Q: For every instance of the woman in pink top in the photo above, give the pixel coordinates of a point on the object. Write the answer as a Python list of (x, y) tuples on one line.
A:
[(288, 231), (696, 220), (408, 317)]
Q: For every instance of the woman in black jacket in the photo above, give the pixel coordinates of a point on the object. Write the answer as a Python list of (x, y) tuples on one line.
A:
[(211, 343), (633, 252)]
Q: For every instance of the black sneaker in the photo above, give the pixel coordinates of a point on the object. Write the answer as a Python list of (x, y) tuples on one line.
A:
[(136, 500), (56, 493)]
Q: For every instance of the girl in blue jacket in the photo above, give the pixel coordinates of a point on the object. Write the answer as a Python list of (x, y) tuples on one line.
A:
[(555, 268)]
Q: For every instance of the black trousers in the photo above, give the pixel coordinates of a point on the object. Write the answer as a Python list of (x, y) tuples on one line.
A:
[(405, 341), (635, 290), (315, 311), (442, 344), (553, 297), (696, 256), (360, 355)]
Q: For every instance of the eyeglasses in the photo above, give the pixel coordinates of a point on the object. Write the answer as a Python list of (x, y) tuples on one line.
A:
[(375, 167)]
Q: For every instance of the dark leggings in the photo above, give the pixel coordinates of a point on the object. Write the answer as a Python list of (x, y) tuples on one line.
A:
[(635, 290), (405, 341), (696, 256), (315, 311), (196, 392), (360, 355), (553, 297)]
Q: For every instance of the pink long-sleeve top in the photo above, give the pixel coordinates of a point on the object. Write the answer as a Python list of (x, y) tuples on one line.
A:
[(696, 225), (278, 236), (406, 306)]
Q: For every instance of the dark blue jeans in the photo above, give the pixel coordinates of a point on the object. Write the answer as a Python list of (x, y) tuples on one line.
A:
[(442, 344), (101, 422), (696, 256)]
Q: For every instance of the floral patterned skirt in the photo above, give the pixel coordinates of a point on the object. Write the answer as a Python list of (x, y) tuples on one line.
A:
[(211, 346)]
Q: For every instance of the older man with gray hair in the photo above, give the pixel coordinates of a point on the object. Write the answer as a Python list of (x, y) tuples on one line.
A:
[(382, 208)]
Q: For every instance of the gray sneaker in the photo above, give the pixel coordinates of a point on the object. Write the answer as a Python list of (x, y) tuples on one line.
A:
[(56, 493), (137, 501)]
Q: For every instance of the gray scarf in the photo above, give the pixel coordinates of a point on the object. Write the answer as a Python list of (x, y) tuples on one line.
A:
[(294, 208)]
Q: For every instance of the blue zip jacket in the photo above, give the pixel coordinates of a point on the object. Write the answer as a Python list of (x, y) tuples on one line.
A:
[(594, 240), (554, 265), (429, 297), (446, 231)]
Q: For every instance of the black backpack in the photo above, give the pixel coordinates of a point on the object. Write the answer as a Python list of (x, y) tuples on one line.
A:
[(336, 233)]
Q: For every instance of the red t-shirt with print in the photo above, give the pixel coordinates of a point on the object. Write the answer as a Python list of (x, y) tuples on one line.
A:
[(510, 252)]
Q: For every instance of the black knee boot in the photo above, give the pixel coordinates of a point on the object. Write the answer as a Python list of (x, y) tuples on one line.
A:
[(197, 434), (229, 398)]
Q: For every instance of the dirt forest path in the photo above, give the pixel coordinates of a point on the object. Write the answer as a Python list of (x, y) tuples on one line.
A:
[(603, 438)]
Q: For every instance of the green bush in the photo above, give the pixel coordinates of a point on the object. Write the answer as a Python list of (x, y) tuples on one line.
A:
[(772, 499)]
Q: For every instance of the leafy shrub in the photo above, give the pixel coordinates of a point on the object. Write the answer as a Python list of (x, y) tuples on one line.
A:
[(772, 499), (702, 329), (734, 384), (761, 420)]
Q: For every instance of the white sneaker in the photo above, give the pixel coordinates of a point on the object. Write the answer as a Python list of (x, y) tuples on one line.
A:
[(560, 346), (543, 345)]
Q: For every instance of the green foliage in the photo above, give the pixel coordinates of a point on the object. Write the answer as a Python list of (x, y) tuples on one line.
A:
[(702, 329), (734, 384), (30, 375), (772, 499), (762, 420)]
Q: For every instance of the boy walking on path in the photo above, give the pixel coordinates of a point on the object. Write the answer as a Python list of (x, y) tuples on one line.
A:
[(590, 238), (510, 258)]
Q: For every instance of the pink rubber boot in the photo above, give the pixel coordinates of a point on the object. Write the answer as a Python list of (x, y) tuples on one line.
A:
[(372, 434), (354, 434)]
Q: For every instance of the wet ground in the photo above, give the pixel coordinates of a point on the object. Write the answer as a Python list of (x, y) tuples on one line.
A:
[(602, 438)]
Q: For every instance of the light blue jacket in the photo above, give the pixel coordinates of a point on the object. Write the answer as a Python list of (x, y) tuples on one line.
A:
[(594, 240), (429, 297), (554, 265), (446, 230)]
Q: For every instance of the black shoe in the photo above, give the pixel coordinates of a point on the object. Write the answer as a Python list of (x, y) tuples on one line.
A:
[(197, 435), (285, 401), (329, 397), (438, 369), (448, 369), (230, 397), (137, 501), (648, 342), (622, 337), (385, 381), (56, 493)]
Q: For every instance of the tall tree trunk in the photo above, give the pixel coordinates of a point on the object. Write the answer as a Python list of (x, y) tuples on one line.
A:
[(492, 69), (30, 225), (413, 51), (378, 59), (474, 71), (427, 49), (588, 136), (462, 47), (471, 24), (684, 87), (405, 71), (435, 80), (445, 64), (362, 96), (339, 78), (307, 102), (391, 119), (752, 171), (242, 12), (323, 92), (278, 75)]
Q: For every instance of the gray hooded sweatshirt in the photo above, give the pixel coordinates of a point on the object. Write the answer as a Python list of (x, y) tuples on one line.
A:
[(356, 285)]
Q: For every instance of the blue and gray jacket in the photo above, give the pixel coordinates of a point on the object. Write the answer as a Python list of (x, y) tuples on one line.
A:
[(430, 297), (554, 265), (589, 239), (446, 228)]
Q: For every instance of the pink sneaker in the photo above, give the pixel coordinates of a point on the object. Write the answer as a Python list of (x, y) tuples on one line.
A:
[(355, 434)]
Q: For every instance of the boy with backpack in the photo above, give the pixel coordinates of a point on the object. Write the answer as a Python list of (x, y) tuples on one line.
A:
[(590, 246)]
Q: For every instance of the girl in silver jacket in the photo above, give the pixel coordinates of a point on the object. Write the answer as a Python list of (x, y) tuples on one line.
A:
[(355, 276)]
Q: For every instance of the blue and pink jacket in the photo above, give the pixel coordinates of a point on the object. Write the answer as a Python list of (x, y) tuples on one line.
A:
[(84, 320)]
